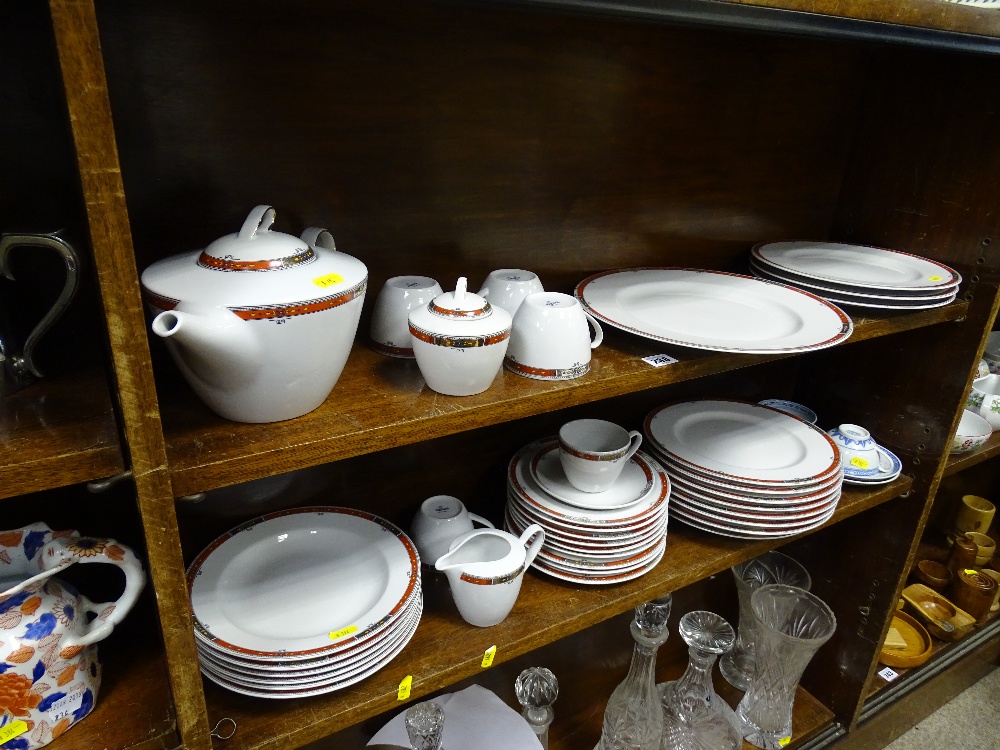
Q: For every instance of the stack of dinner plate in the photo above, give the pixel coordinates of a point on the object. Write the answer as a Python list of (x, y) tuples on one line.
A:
[(590, 538), (745, 470), (304, 602), (858, 276)]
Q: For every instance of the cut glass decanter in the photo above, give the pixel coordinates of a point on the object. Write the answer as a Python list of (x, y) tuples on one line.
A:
[(537, 689), (694, 716), (633, 719), (425, 726)]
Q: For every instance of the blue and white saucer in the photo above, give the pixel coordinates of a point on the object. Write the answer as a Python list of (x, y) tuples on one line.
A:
[(889, 468)]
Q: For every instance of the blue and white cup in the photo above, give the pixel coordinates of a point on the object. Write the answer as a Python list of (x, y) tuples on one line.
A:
[(858, 450)]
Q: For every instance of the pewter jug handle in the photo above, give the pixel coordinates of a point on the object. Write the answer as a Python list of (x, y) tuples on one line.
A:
[(23, 365)]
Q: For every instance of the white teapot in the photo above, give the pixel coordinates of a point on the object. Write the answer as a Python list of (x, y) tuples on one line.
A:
[(260, 322)]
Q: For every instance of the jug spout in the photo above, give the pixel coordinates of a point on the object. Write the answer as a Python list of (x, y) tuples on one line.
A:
[(214, 343)]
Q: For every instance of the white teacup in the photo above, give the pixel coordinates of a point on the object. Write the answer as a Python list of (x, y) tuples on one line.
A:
[(508, 287), (440, 521), (550, 338), (858, 450), (593, 452), (390, 331)]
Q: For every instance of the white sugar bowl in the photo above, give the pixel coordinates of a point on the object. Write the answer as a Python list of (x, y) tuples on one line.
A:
[(459, 340)]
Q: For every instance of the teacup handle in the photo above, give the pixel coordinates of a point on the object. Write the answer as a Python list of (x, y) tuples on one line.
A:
[(598, 331), (635, 440), (64, 551), (536, 531), (480, 519)]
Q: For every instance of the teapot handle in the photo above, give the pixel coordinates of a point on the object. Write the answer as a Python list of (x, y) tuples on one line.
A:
[(62, 552), (318, 237), (258, 220), (536, 531), (24, 365)]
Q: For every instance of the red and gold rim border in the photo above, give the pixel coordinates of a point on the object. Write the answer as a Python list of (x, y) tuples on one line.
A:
[(229, 265)]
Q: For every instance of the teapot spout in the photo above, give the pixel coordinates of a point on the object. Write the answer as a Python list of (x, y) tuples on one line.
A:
[(214, 343)]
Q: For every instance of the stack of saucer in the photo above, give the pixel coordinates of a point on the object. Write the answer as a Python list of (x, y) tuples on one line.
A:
[(304, 602), (857, 276), (745, 470), (591, 538)]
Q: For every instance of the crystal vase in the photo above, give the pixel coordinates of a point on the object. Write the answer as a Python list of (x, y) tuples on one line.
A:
[(425, 726), (771, 567), (633, 719), (694, 716), (791, 625)]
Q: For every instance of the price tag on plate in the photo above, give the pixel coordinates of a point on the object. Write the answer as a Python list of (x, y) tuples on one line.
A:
[(659, 360)]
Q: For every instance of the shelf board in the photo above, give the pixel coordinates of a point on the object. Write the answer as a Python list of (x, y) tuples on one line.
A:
[(134, 709), (383, 403), (960, 461), (445, 649), (56, 432), (926, 23)]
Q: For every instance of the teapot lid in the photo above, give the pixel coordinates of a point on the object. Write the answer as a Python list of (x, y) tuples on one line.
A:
[(256, 248), (460, 304)]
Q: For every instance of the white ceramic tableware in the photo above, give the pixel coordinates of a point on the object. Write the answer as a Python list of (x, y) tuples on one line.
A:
[(985, 399), (260, 323), (459, 340), (791, 407), (742, 442), (635, 481), (485, 568), (858, 449), (862, 292), (872, 267), (713, 310), (889, 468), (439, 521), (593, 452), (508, 288), (973, 430), (390, 328), (550, 338)]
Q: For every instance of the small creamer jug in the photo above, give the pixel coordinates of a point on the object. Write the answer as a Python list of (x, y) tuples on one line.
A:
[(485, 568)]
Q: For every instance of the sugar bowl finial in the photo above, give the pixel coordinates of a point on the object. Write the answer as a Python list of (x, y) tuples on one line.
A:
[(537, 689)]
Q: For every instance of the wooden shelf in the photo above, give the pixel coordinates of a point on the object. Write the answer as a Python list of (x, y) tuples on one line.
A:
[(989, 449), (445, 649), (133, 710), (56, 432), (383, 403), (929, 23)]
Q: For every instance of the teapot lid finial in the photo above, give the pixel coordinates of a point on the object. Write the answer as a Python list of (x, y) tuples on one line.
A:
[(461, 303)]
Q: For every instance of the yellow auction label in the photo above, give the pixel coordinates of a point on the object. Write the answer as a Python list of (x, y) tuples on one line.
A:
[(404, 688), (784, 741), (329, 280), (935, 278), (859, 462), (488, 656), (970, 572), (11, 731), (335, 634)]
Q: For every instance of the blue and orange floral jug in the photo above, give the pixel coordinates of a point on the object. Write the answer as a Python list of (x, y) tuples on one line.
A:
[(49, 672)]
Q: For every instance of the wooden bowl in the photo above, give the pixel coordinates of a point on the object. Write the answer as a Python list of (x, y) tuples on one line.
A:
[(933, 574), (941, 617), (918, 643)]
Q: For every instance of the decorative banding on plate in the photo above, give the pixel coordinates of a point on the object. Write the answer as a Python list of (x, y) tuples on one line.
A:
[(302, 308), (615, 456), (541, 373), (459, 342), (276, 264)]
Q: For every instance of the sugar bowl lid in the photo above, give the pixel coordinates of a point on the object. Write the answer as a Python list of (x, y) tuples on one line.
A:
[(460, 304)]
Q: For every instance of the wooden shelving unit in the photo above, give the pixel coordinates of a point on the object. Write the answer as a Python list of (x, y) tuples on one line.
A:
[(961, 461), (56, 432), (380, 403), (452, 137)]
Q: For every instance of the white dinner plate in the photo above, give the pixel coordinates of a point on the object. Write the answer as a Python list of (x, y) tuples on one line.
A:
[(635, 482), (595, 579), (735, 516), (871, 267), (714, 310), (753, 505), (743, 533), (593, 534), (606, 551), (902, 307), (301, 582), (743, 441), (776, 491), (900, 296)]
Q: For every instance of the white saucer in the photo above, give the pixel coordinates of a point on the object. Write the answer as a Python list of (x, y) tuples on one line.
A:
[(635, 482), (889, 466)]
